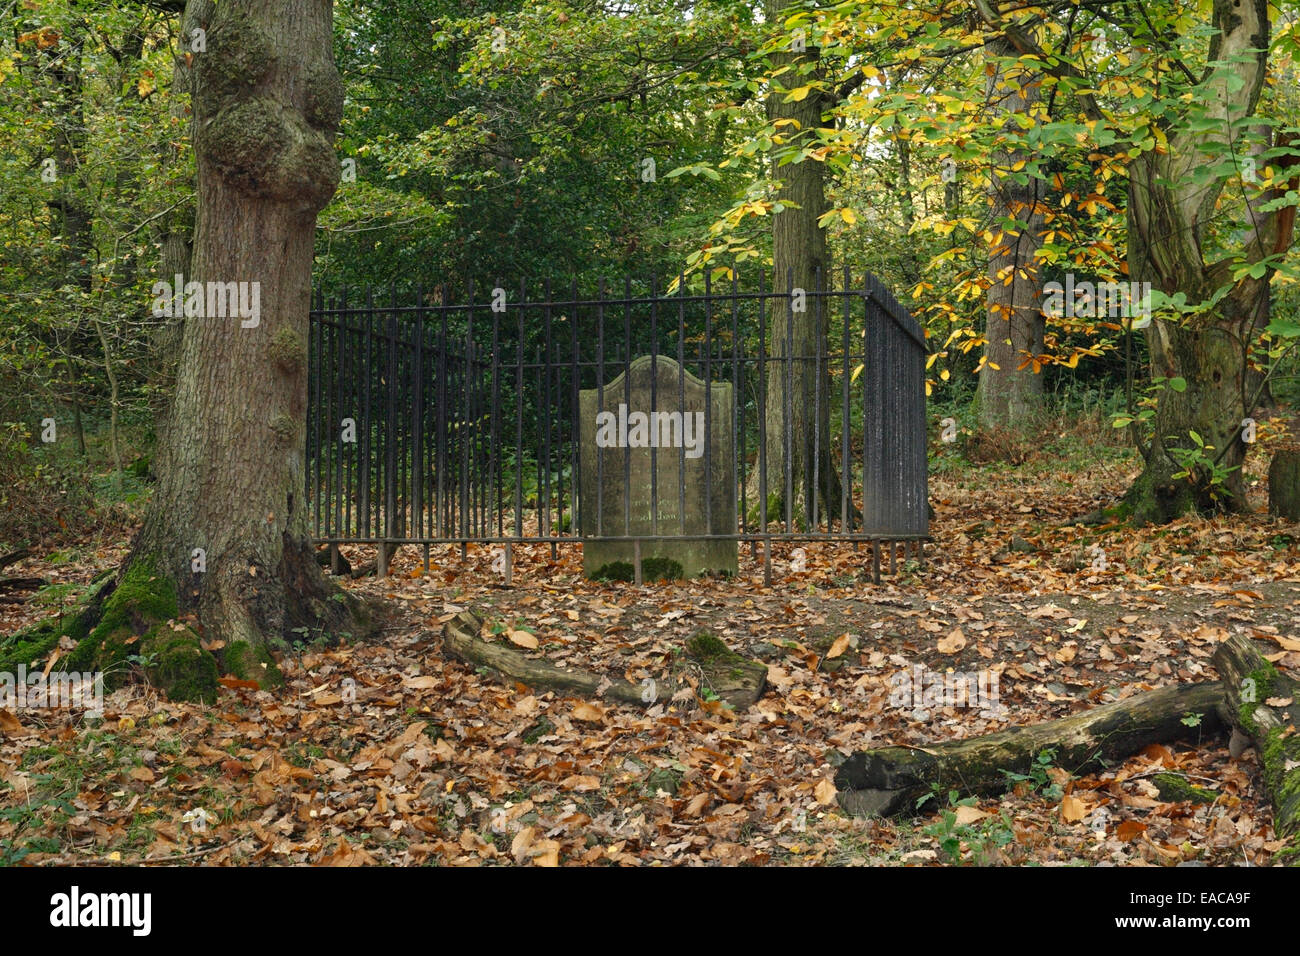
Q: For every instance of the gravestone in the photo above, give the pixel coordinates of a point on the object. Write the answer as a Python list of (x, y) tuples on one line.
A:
[(648, 467)]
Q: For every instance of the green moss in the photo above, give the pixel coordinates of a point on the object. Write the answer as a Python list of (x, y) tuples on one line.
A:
[(1264, 677), (35, 643), (615, 571), (652, 569), (703, 646), (661, 569), (181, 667), (247, 662), (135, 622), (29, 645), (1175, 788)]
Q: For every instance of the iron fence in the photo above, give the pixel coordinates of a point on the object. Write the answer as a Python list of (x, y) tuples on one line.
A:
[(453, 416)]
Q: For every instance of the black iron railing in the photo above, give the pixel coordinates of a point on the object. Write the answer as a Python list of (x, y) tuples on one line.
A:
[(455, 417)]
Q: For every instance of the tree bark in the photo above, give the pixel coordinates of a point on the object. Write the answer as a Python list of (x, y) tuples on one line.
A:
[(890, 780), (800, 260), (225, 540), (1010, 390), (1284, 484)]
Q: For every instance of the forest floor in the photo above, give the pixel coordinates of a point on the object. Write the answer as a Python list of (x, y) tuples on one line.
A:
[(436, 763)]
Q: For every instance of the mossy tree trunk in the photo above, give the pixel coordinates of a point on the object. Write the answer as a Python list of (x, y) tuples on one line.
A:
[(231, 467), (1169, 207)]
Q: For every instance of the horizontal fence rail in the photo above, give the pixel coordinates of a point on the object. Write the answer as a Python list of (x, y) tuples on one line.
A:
[(454, 417)]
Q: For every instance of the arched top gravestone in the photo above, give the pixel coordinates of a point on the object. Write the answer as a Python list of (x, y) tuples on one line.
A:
[(658, 464)]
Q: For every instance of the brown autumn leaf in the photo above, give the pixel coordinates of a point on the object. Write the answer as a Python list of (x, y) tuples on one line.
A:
[(1073, 809), (9, 722), (1279, 701), (953, 642), (588, 712), (840, 645), (967, 815), (1130, 829), (825, 791)]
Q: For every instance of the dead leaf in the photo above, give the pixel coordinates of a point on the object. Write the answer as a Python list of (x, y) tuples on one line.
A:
[(825, 792), (588, 712), (1073, 809), (968, 815), (523, 639), (953, 642), (839, 647)]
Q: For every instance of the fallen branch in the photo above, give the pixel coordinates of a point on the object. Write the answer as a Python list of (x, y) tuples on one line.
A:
[(12, 556), (890, 780), (460, 636), (732, 677)]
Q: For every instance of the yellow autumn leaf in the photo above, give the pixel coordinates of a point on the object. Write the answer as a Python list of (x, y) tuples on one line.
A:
[(848, 215)]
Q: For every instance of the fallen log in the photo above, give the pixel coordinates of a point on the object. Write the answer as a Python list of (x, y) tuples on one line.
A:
[(12, 556), (733, 678), (890, 780), (1263, 704)]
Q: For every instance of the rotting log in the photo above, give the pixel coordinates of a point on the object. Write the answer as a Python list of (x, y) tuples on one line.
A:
[(735, 679), (890, 780), (1263, 703)]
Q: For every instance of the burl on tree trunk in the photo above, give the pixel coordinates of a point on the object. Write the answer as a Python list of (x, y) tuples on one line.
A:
[(224, 552)]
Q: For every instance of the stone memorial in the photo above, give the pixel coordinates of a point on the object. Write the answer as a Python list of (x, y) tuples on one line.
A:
[(649, 468)]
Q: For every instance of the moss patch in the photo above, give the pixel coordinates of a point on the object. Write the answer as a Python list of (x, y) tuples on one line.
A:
[(655, 568), (247, 662), (1175, 788), (703, 646), (135, 622)]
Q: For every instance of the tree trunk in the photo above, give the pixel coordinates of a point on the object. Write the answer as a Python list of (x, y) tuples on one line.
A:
[(800, 260), (890, 780), (1009, 389), (1284, 484), (224, 545), (1168, 209)]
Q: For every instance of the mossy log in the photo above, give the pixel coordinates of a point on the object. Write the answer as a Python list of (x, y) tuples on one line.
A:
[(733, 678), (890, 780), (1264, 704), (1284, 484)]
